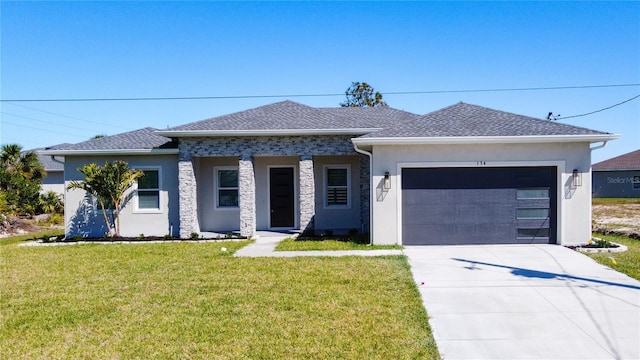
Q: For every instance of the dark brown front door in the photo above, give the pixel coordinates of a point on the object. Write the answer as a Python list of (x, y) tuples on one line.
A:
[(281, 197)]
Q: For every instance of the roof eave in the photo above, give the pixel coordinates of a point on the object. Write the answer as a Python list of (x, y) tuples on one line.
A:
[(111, 152), (616, 169), (485, 139), (269, 132)]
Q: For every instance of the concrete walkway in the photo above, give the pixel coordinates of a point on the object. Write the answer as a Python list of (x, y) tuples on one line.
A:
[(526, 302), (266, 243)]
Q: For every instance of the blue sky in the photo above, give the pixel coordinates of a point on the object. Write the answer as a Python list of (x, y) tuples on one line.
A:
[(177, 49)]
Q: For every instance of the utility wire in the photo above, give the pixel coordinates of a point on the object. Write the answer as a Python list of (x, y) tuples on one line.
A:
[(66, 116), (47, 122), (314, 95), (41, 129), (599, 110)]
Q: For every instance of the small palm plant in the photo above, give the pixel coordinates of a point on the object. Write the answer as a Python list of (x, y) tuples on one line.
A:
[(109, 185)]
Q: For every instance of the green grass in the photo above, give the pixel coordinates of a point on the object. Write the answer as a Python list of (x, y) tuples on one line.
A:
[(627, 262), (614, 201), (29, 237), (290, 244), (191, 300)]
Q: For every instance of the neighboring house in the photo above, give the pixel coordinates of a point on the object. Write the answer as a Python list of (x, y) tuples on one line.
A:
[(54, 166), (463, 174), (618, 177)]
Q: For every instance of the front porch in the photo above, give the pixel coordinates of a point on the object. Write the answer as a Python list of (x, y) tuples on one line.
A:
[(288, 184)]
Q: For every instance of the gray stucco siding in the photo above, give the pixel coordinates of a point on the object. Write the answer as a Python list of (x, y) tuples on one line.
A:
[(84, 217), (54, 181), (210, 217), (338, 219)]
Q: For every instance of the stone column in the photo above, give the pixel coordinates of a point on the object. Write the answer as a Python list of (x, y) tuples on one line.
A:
[(188, 197), (247, 196), (307, 193), (365, 192)]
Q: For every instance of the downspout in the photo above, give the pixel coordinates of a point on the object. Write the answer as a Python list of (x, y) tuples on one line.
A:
[(604, 143), (355, 146)]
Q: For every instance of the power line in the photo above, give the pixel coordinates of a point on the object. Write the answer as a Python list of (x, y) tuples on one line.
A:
[(315, 95), (46, 122), (597, 111), (67, 116), (41, 129)]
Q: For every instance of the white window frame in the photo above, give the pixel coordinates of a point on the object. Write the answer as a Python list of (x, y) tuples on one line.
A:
[(137, 208), (216, 188), (325, 201)]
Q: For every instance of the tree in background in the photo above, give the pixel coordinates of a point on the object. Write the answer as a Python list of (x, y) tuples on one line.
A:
[(109, 185), (21, 175), (362, 95)]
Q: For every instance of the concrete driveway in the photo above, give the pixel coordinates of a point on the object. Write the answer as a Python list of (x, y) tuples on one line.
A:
[(526, 302)]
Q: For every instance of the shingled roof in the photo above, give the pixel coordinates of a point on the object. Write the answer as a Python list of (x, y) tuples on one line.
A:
[(466, 120), (284, 118), (289, 115), (47, 162), (142, 139), (628, 161)]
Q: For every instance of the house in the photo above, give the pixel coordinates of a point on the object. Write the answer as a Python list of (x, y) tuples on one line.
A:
[(54, 166), (464, 174), (618, 177)]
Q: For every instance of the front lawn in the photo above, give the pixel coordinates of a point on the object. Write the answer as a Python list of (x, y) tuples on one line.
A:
[(627, 262), (290, 244), (193, 300)]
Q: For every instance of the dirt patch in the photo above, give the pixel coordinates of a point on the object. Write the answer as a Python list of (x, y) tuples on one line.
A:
[(13, 225), (619, 218)]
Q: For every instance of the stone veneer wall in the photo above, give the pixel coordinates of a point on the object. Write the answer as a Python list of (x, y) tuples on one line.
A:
[(188, 197), (307, 193), (245, 148), (247, 196), (365, 192)]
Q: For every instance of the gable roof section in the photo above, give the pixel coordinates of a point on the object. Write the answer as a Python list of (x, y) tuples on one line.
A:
[(628, 161), (291, 118), (463, 122), (47, 162), (142, 141)]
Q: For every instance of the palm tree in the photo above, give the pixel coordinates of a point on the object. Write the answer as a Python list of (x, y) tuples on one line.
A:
[(108, 184), (21, 174)]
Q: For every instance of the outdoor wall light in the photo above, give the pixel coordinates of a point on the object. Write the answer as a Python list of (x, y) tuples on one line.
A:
[(577, 178), (387, 181)]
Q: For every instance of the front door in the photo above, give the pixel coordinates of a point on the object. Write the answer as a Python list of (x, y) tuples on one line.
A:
[(281, 197)]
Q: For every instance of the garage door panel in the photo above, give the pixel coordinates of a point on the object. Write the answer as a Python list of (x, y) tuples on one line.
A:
[(478, 206)]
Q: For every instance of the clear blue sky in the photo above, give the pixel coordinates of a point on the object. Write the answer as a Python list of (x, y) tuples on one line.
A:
[(175, 49)]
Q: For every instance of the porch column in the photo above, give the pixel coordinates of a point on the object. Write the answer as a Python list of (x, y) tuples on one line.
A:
[(188, 197), (307, 193), (247, 196)]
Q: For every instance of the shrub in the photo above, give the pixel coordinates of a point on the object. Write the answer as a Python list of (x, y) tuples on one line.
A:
[(50, 203), (194, 236)]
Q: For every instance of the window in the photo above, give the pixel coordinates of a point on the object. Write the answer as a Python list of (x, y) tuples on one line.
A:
[(533, 193), (532, 213), (149, 190), (533, 233), (227, 187), (337, 182)]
